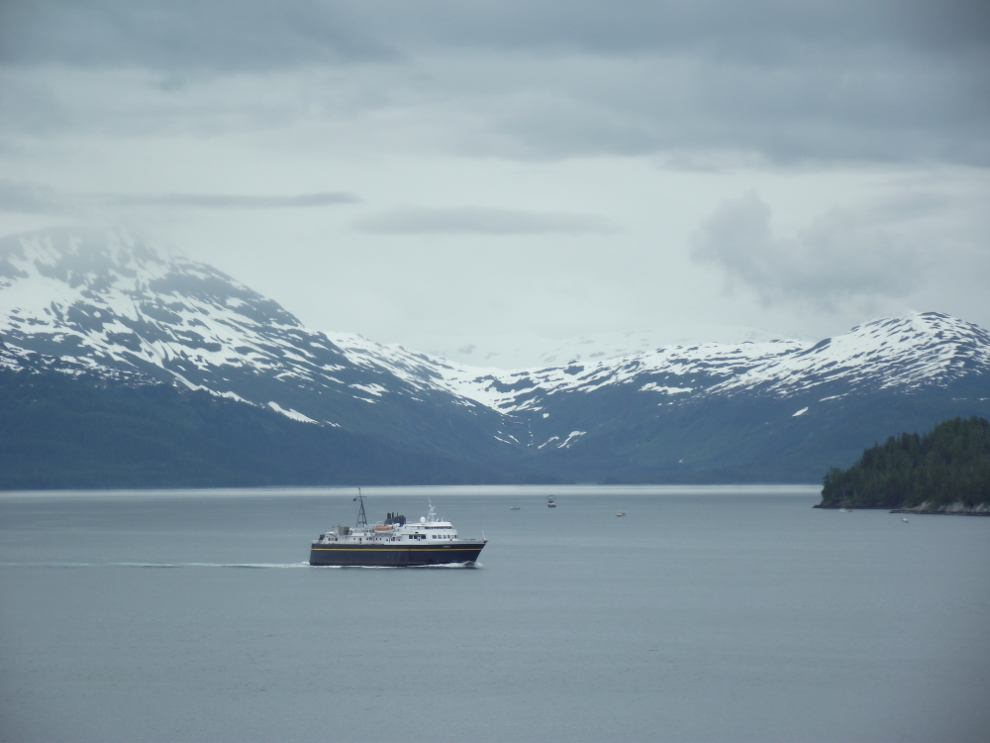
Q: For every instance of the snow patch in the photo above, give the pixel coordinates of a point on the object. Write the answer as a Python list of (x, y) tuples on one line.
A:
[(372, 389), (574, 435), (802, 411), (654, 387), (233, 396), (290, 413)]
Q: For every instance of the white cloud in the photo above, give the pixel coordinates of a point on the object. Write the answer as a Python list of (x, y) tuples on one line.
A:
[(837, 259)]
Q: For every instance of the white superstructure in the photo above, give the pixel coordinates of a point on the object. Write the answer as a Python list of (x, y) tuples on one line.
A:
[(430, 529)]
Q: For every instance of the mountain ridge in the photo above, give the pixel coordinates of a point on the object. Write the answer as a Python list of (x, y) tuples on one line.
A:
[(112, 306)]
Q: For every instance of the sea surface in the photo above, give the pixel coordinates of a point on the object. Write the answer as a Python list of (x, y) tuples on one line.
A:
[(703, 614)]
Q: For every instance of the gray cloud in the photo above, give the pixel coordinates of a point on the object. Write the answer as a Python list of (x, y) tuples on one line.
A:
[(183, 35), (255, 34), (853, 104), (695, 83), (229, 201), (761, 31), (839, 258), (481, 220), (29, 198)]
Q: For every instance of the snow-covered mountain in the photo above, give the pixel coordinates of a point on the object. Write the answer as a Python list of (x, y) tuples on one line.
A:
[(674, 412), (906, 353), (528, 350), (113, 307)]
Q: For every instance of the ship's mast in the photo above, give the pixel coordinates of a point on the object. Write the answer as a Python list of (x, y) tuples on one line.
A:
[(362, 520)]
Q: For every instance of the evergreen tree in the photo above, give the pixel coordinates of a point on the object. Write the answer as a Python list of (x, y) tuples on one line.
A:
[(949, 465)]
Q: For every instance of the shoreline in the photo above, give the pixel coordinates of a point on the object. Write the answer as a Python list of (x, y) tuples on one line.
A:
[(977, 511), (952, 509)]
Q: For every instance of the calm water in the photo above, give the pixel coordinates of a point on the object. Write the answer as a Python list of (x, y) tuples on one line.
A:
[(705, 614)]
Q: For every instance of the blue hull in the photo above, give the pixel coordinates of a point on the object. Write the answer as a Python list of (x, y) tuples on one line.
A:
[(394, 555)]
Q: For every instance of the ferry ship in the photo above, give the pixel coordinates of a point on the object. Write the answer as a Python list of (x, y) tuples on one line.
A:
[(395, 542)]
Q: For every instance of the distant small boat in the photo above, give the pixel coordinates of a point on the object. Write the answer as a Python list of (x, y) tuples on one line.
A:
[(904, 519), (845, 510), (550, 503), (620, 513), (513, 508)]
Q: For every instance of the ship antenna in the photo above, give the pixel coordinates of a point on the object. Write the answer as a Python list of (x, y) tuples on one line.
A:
[(362, 520)]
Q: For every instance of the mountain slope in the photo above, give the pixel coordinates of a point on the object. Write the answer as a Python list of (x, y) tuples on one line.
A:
[(62, 431), (121, 317), (770, 411), (112, 305)]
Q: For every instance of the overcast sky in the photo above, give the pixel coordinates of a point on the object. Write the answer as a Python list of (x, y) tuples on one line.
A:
[(449, 174)]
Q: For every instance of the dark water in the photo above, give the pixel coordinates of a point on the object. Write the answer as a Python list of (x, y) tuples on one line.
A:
[(708, 614)]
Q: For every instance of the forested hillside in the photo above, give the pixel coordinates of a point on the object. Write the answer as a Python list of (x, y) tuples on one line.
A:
[(948, 466), (58, 431)]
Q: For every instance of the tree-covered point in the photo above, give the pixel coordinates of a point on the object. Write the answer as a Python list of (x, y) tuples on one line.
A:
[(949, 465)]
